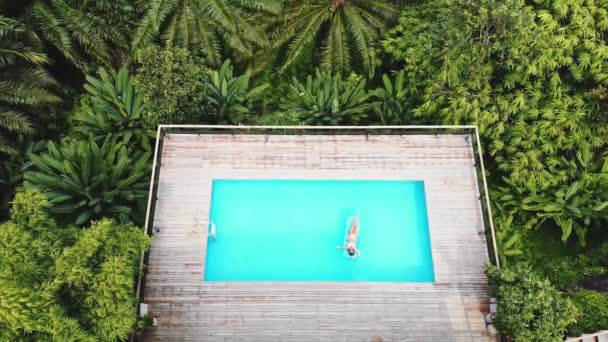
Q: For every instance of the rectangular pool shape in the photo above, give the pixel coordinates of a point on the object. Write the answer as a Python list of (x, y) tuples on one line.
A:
[(288, 230)]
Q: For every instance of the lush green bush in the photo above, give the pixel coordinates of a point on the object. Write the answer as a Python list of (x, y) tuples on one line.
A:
[(394, 106), (525, 75), (279, 119), (113, 106), (594, 312), (11, 175), (230, 96), (86, 180), (66, 284), (575, 206), (532, 74), (171, 84), (529, 307), (329, 100), (572, 207)]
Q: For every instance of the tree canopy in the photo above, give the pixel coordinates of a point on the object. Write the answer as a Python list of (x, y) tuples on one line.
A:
[(63, 283), (532, 78)]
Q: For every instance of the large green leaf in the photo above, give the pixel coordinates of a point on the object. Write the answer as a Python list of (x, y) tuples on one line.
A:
[(95, 181)]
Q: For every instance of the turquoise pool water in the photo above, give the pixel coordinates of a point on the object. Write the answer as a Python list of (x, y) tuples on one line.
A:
[(288, 230)]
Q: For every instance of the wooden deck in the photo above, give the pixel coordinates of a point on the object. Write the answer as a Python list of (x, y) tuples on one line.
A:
[(189, 309)]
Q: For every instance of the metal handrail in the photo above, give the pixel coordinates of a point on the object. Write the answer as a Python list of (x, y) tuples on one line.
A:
[(163, 128), (139, 289)]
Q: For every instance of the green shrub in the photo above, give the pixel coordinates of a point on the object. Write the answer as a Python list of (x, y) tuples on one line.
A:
[(11, 175), (60, 283), (230, 96), (171, 84), (529, 307), (394, 106), (594, 312), (329, 100), (86, 180), (279, 119), (525, 72), (113, 106)]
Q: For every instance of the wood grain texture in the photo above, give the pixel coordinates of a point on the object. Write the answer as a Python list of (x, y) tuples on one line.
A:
[(189, 309)]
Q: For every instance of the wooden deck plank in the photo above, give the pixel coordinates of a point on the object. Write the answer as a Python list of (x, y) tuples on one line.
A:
[(190, 309)]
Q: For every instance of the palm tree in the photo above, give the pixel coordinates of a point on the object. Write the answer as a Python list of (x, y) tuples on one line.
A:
[(24, 84), (206, 24), (94, 30), (345, 30)]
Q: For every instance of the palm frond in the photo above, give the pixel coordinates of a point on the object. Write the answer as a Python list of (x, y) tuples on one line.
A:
[(209, 40), (88, 28), (6, 146), (149, 27), (304, 38), (361, 33), (24, 84), (269, 6), (206, 24), (339, 27), (15, 122)]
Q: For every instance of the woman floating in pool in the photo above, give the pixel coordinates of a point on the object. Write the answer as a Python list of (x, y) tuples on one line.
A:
[(351, 238)]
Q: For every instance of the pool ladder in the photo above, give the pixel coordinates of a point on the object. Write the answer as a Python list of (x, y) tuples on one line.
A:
[(212, 230)]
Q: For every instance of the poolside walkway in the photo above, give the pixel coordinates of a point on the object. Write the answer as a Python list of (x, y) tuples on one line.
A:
[(189, 309)]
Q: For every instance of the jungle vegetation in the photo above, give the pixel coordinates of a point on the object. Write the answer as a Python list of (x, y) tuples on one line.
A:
[(84, 84)]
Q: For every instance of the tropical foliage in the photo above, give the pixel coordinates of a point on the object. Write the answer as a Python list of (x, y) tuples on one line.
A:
[(500, 62), (112, 105), (25, 86), (171, 83), (44, 265), (594, 311), (532, 74), (11, 175), (328, 99), (530, 308), (86, 180), (87, 33), (207, 25), (230, 96), (393, 106), (347, 32), (279, 119)]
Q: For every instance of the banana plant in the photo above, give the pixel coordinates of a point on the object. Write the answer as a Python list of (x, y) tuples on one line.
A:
[(229, 95), (86, 180), (509, 235), (328, 100), (578, 205), (115, 107), (393, 106)]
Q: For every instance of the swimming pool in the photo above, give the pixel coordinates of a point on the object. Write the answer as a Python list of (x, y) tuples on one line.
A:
[(288, 230)]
